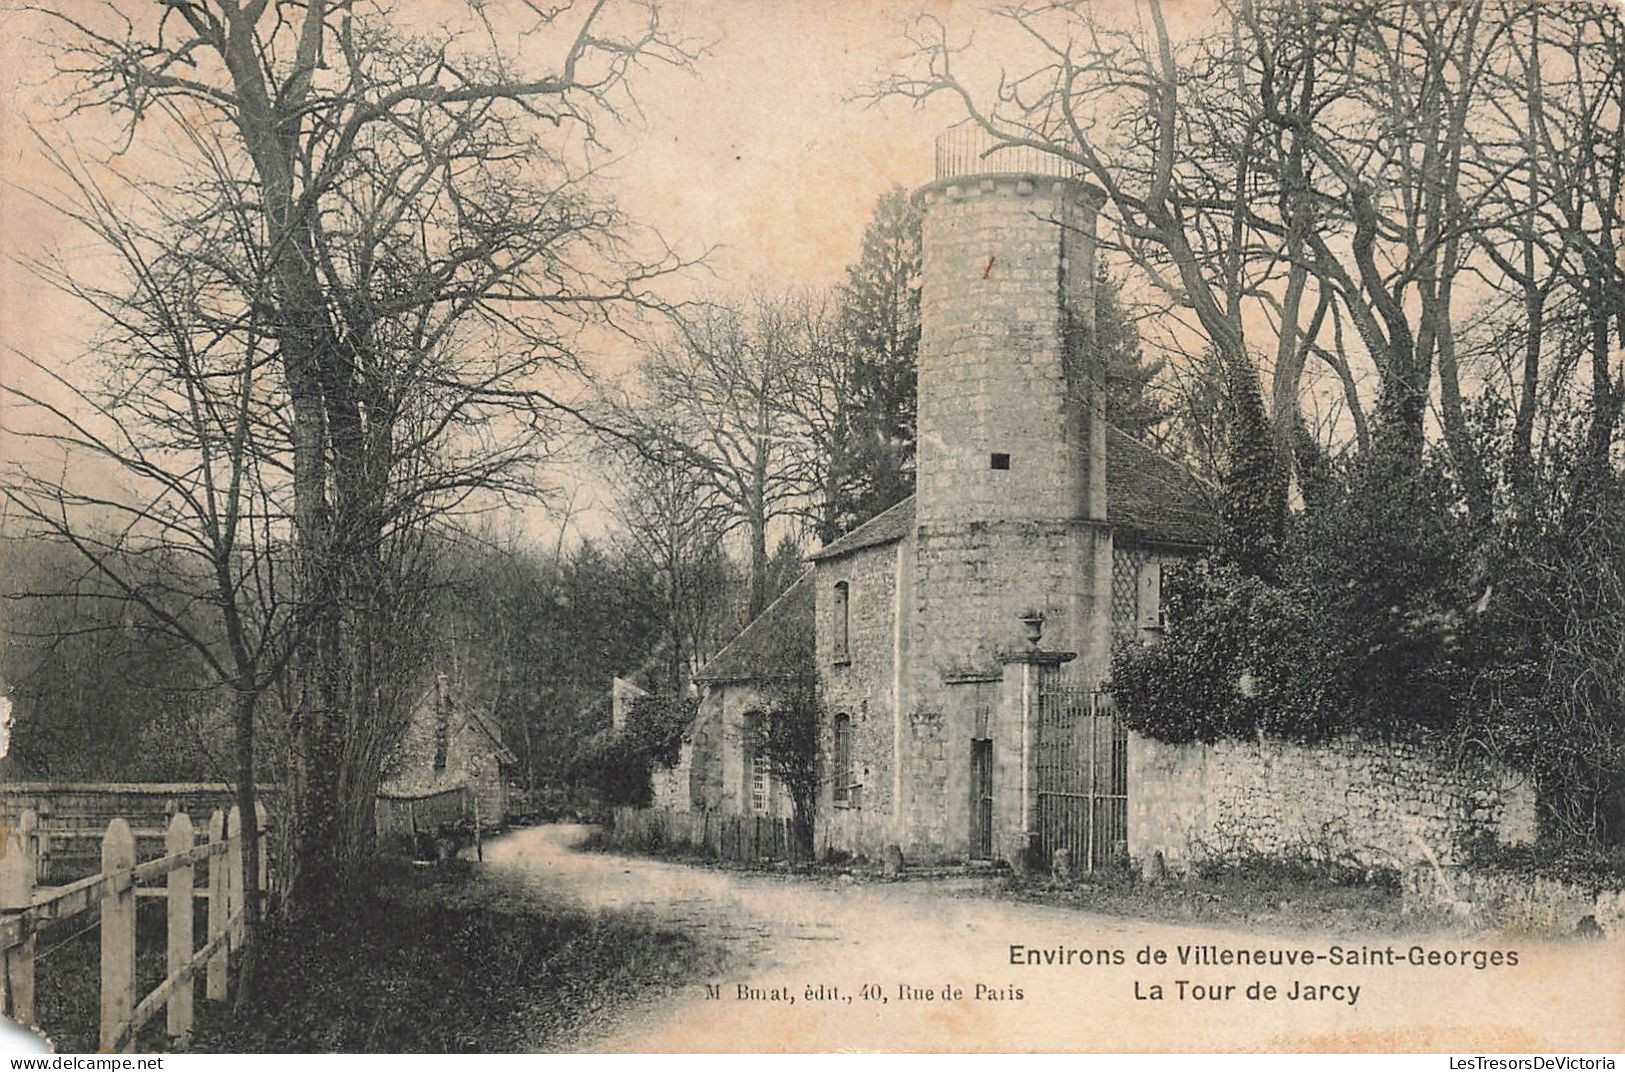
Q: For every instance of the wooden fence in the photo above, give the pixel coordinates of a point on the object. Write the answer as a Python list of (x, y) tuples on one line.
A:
[(26, 908), (406, 815), (71, 817), (743, 838)]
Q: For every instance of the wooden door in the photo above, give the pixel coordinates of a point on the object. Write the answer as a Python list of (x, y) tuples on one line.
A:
[(981, 802)]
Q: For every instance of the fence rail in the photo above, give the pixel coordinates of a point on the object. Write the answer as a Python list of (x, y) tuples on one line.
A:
[(71, 817), (25, 908)]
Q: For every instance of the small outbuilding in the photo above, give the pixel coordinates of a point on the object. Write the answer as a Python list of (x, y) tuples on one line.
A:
[(450, 765)]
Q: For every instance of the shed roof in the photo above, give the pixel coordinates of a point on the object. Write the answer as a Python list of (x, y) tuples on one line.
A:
[(760, 642), (490, 731)]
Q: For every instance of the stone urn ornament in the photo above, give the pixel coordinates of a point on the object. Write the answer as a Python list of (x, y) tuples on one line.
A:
[(1033, 622)]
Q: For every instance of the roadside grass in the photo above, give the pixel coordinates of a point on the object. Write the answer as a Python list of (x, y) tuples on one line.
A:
[(455, 960), (446, 959), (67, 975)]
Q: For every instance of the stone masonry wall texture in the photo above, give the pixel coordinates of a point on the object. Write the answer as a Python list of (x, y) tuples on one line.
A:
[(859, 683), (994, 380), (1007, 271), (1381, 805)]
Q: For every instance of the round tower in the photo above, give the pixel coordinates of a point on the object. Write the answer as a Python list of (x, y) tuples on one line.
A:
[(1011, 477)]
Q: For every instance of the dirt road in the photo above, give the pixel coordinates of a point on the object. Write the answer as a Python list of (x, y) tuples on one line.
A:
[(927, 966)]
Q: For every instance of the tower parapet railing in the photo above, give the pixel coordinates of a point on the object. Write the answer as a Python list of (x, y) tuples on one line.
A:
[(968, 150)]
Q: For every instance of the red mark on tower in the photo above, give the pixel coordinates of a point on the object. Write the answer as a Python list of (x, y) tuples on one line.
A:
[(989, 269)]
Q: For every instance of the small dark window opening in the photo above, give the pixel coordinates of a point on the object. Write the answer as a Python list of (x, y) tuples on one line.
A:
[(1001, 461), (842, 623)]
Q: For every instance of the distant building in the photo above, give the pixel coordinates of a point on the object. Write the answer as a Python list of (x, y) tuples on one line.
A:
[(450, 745), (622, 693)]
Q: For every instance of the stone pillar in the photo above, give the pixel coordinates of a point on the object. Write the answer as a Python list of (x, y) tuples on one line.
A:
[(1015, 744)]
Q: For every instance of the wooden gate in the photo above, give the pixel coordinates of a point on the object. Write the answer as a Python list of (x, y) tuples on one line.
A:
[(1082, 776)]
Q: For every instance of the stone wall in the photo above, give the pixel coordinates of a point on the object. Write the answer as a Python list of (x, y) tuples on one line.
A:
[(927, 761), (860, 682), (710, 770), (975, 581), (470, 759), (1381, 805), (1512, 901)]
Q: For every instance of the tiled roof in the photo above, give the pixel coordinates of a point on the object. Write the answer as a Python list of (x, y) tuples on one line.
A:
[(888, 526), (1155, 497), (1148, 495), (756, 646)]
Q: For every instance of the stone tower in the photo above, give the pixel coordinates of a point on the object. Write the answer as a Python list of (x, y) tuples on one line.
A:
[(1010, 501), (1011, 497)]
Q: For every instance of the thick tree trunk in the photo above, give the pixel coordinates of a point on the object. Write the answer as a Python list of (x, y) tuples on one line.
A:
[(249, 845), (1458, 437)]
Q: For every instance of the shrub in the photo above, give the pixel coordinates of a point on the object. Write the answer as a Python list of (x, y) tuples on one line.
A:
[(657, 725), (1360, 632), (616, 765), (617, 768)]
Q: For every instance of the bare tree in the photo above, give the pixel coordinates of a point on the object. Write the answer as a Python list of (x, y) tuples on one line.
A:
[(191, 530), (674, 526), (719, 399), (411, 206)]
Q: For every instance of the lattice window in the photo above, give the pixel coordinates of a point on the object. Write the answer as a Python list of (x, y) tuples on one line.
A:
[(1125, 596), (757, 775), (759, 782)]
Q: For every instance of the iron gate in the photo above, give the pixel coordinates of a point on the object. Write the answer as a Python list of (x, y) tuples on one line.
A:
[(1082, 776)]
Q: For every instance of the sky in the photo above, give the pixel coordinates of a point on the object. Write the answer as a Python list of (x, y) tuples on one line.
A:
[(760, 151)]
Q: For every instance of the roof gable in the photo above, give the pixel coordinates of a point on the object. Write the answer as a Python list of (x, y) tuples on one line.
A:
[(471, 716)]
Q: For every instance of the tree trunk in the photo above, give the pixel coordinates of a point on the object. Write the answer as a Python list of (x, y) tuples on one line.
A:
[(249, 844), (758, 556)]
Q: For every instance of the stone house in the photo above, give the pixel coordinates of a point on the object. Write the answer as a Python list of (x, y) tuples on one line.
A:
[(449, 745), (962, 636)]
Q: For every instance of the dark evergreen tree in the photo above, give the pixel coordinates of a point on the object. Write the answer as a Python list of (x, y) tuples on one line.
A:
[(880, 325), (1131, 397)]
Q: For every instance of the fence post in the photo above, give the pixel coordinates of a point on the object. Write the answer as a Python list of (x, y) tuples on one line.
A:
[(262, 823), (42, 840), (216, 987), (16, 894), (29, 826), (234, 875), (182, 931), (118, 932)]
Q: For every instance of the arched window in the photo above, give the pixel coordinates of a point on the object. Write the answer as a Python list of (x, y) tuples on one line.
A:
[(841, 622), (842, 763)]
